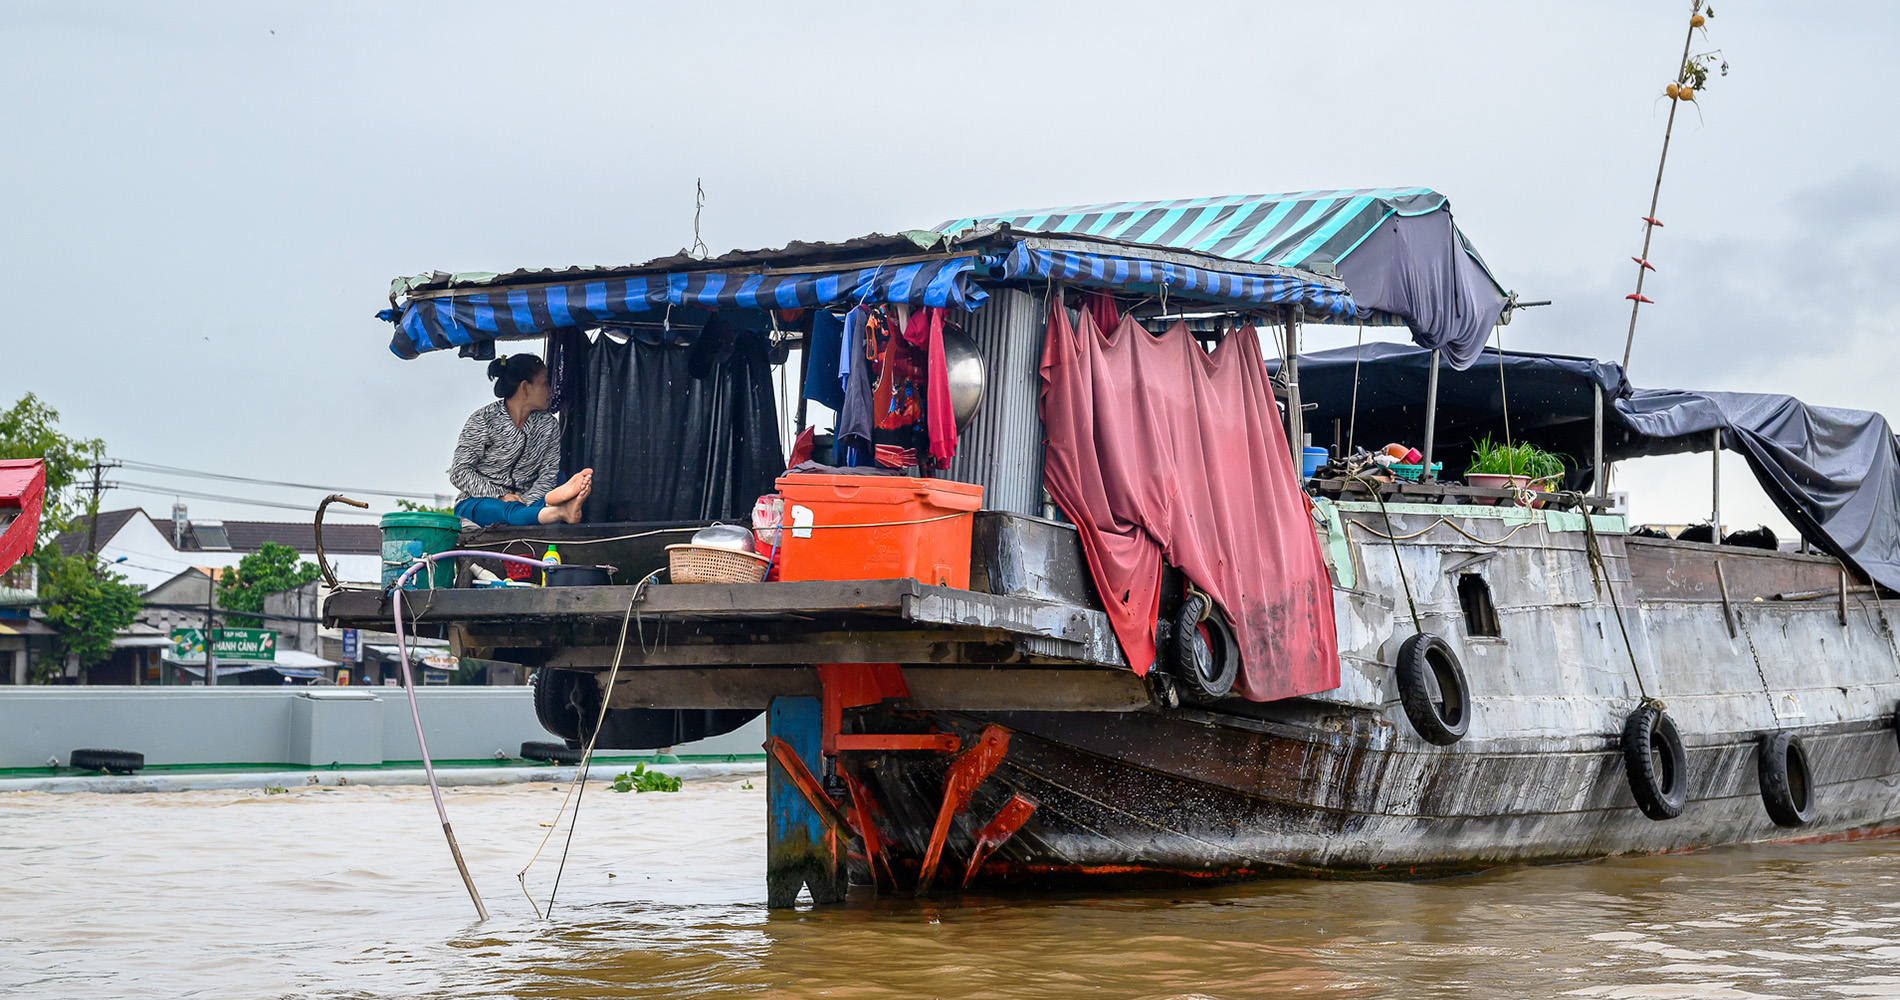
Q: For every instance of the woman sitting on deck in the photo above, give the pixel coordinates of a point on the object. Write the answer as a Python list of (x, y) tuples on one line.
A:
[(509, 454)]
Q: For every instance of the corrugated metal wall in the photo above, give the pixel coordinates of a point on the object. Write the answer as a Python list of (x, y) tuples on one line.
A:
[(1001, 449)]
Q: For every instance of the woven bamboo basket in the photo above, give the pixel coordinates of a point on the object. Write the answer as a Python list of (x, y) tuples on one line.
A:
[(713, 564)]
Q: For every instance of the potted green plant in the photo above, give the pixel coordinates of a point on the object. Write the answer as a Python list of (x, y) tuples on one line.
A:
[(1521, 466)]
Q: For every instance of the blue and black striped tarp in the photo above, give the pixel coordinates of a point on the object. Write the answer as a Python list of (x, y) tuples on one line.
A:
[(457, 318), (1303, 229), (1157, 277)]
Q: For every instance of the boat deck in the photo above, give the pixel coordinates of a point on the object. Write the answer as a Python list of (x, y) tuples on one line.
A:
[(711, 624)]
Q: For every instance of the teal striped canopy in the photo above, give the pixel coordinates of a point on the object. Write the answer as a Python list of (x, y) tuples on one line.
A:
[(1303, 229)]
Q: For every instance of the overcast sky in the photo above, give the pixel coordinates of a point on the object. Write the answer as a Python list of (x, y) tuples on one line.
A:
[(201, 205)]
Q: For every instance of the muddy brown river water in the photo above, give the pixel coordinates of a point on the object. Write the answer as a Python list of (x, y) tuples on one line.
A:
[(349, 892)]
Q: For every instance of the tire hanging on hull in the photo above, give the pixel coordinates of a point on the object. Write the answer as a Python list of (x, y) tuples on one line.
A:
[(1656, 762), (1433, 689), (1206, 655), (1787, 785)]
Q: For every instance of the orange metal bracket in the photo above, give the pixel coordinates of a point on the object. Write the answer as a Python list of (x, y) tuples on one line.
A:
[(848, 685), (998, 830), (960, 781), (940, 742), (808, 785)]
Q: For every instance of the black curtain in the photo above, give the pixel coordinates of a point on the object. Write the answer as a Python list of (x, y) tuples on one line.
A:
[(673, 431)]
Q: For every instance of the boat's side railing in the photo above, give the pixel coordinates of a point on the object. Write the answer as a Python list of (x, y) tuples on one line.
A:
[(1436, 492)]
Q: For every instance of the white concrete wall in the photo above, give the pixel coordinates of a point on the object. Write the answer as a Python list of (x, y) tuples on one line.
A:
[(268, 725)]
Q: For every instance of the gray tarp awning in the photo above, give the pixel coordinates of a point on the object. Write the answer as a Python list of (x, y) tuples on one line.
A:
[(1400, 253), (1834, 473)]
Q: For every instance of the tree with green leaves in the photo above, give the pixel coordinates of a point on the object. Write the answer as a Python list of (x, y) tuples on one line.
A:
[(87, 603), (30, 429), (268, 570), (83, 601)]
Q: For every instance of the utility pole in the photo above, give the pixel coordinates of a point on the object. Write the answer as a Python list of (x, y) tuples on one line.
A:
[(97, 487), (211, 605)]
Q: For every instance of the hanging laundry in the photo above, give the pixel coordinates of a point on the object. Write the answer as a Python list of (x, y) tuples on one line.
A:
[(855, 420), (822, 383), (897, 395), (926, 330)]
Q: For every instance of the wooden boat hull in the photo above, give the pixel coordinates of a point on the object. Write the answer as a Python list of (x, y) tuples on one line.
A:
[(1155, 799)]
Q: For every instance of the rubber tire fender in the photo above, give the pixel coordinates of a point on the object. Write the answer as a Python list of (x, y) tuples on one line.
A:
[(562, 702), (555, 753), (1427, 663), (1205, 663), (109, 761), (1657, 764), (1787, 782)]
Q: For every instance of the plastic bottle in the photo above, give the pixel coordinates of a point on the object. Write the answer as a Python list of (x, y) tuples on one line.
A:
[(553, 556)]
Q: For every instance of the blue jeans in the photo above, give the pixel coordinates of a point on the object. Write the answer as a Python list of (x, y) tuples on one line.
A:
[(492, 510)]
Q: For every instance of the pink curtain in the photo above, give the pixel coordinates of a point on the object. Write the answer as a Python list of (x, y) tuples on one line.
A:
[(1159, 450)]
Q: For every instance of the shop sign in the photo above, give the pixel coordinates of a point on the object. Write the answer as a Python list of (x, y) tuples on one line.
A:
[(226, 644)]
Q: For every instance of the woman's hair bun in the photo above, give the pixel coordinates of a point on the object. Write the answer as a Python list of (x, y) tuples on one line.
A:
[(510, 370)]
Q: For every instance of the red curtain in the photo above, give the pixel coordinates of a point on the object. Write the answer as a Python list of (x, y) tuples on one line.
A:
[(1159, 450)]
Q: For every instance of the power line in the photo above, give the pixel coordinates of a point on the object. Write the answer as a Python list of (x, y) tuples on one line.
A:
[(167, 491), (172, 470)]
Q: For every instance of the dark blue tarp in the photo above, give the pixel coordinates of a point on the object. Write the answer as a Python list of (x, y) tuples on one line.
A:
[(432, 324), (1834, 473)]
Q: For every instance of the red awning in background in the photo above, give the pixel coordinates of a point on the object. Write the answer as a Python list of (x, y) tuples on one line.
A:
[(22, 489), (1159, 450)]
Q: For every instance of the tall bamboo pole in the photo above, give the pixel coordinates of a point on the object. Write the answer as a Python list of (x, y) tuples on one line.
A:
[(1655, 195)]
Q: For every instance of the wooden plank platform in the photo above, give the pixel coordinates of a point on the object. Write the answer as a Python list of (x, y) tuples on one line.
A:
[(864, 621)]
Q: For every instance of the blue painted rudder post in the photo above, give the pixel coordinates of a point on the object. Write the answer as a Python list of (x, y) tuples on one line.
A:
[(800, 848)]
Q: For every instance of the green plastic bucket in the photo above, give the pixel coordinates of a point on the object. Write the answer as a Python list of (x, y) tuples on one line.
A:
[(408, 536)]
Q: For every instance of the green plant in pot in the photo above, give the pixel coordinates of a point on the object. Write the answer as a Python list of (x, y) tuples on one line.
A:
[(1520, 466)]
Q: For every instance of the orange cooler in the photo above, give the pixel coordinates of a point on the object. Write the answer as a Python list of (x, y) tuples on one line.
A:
[(931, 547)]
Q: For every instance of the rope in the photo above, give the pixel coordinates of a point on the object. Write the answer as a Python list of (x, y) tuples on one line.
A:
[(1598, 576), (1447, 523), (575, 543), (1400, 563), (1352, 425), (1504, 397), (578, 786)]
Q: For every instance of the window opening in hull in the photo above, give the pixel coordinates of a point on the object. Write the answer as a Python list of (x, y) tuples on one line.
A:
[(1474, 595)]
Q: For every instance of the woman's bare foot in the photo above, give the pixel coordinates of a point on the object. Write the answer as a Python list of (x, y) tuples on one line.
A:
[(578, 485), (569, 512)]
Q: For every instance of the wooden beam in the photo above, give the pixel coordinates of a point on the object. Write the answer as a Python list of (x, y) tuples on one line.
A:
[(932, 688)]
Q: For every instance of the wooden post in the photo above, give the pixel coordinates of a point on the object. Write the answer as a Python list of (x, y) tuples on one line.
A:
[(1431, 417), (1715, 515), (1598, 481), (1295, 411), (801, 849)]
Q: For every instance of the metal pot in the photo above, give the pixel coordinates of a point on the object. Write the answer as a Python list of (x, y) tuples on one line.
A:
[(580, 576), (965, 363), (726, 536)]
